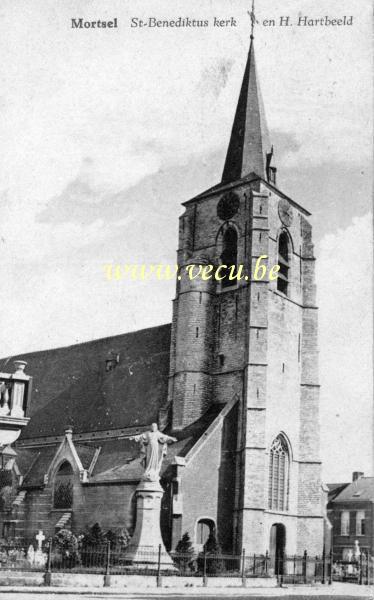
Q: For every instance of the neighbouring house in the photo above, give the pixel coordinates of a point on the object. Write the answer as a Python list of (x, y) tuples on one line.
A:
[(351, 512)]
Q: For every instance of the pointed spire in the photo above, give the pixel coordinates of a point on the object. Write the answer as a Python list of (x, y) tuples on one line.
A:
[(249, 148)]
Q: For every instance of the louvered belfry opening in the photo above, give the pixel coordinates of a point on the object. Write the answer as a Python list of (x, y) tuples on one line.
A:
[(284, 264), (229, 255)]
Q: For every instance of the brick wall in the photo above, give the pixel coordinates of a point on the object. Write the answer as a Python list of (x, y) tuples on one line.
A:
[(339, 541), (208, 482)]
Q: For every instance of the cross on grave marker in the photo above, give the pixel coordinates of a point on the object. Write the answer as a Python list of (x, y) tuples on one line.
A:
[(40, 538)]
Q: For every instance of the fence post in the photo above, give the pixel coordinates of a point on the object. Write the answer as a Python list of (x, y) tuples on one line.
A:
[(48, 572), (266, 562), (159, 578), (107, 566), (205, 578), (360, 576), (324, 564), (305, 560), (244, 579), (330, 569), (278, 569), (367, 559)]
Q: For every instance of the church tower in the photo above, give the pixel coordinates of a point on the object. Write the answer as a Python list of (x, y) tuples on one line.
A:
[(254, 340)]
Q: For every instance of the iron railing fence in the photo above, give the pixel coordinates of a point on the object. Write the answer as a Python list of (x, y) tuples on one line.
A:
[(359, 570), (298, 569), (112, 559), (17, 559)]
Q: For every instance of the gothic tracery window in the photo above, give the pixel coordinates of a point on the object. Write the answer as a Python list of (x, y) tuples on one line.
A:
[(279, 466), (284, 263), (63, 487)]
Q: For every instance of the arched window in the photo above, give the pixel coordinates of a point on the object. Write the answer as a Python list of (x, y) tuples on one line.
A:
[(279, 467), (204, 528), (284, 263), (229, 254), (63, 487)]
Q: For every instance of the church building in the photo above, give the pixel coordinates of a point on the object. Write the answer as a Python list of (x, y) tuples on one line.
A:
[(234, 378)]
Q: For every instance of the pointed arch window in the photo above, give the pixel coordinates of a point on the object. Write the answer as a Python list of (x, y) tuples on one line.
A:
[(284, 263), (63, 486), (279, 467), (229, 254)]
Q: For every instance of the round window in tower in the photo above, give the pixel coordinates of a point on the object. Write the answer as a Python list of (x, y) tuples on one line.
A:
[(228, 206)]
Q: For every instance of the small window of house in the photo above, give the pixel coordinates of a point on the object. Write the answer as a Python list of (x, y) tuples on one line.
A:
[(360, 522), (344, 523)]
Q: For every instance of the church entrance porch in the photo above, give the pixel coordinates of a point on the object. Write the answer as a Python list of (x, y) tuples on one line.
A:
[(277, 547)]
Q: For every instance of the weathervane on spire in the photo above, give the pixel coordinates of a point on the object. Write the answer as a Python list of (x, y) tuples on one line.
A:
[(252, 17)]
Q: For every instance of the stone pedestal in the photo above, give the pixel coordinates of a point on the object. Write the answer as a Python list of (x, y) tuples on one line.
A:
[(144, 545)]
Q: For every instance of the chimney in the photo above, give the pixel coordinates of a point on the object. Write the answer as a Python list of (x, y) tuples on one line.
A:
[(357, 475)]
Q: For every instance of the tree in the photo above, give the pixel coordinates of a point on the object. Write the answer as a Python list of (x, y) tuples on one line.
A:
[(119, 538), (184, 553), (213, 552), (212, 546), (93, 547), (66, 550), (94, 536)]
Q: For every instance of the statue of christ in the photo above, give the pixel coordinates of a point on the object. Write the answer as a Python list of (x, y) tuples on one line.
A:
[(153, 449)]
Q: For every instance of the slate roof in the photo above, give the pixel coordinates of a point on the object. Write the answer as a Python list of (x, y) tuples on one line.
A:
[(34, 464), (360, 490), (334, 489), (118, 459), (72, 388), (86, 453), (249, 141)]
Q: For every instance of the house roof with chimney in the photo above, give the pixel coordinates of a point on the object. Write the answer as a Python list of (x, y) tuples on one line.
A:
[(360, 490)]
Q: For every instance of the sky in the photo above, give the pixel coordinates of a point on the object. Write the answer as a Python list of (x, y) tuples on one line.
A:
[(106, 132)]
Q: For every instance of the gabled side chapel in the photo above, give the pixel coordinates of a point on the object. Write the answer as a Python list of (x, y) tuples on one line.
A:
[(234, 378)]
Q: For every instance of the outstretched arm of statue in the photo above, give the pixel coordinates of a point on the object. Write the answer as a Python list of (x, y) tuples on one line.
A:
[(166, 439), (141, 437)]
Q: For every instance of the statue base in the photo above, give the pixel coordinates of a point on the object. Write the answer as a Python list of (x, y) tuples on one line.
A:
[(143, 550)]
